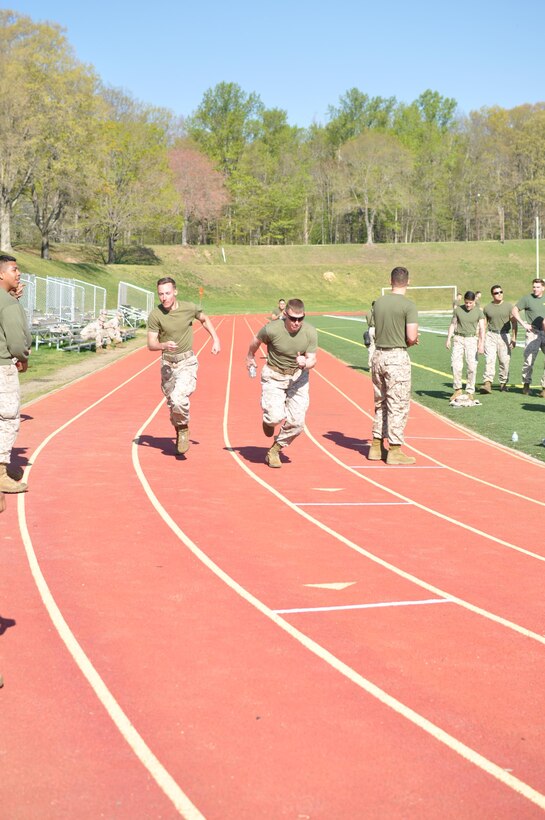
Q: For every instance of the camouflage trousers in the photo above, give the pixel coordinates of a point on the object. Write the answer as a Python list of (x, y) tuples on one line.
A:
[(178, 382), (391, 374), (496, 346), (535, 341), (464, 347), (10, 405), (285, 398)]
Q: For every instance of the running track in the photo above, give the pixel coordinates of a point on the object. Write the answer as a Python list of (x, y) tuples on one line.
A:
[(209, 637)]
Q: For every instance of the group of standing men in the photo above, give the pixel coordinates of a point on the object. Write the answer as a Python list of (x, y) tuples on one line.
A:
[(492, 330)]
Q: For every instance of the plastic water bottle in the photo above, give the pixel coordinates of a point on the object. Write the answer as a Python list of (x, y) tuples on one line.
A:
[(252, 370), (515, 438)]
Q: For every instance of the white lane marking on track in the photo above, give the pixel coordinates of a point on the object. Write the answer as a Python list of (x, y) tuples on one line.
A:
[(423, 506), (327, 489), (426, 725), (351, 503), (138, 745), (403, 467), (334, 585), (380, 605)]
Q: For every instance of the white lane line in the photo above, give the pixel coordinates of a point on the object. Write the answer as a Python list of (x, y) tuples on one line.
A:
[(335, 585), (138, 745), (381, 605), (426, 725), (404, 467), (351, 503)]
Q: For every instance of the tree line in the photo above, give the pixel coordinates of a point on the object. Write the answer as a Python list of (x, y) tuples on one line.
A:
[(80, 162)]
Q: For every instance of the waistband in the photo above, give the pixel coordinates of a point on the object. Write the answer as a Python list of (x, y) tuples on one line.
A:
[(284, 371), (390, 348), (177, 357), (466, 335), (489, 330)]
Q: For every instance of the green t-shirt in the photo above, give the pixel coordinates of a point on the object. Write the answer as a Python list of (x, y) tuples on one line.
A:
[(467, 320), (15, 338), (283, 347), (535, 309), (498, 316), (175, 325), (392, 313)]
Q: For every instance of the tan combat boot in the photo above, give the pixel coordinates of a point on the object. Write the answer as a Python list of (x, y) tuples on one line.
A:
[(486, 388), (375, 450), (8, 485), (456, 394), (273, 456), (396, 456), (2, 503), (268, 429), (182, 440), (525, 389)]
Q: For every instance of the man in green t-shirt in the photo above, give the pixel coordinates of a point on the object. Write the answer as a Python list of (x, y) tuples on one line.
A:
[(396, 329), (466, 334), (291, 353), (15, 341), (170, 330), (280, 311), (500, 339), (533, 305)]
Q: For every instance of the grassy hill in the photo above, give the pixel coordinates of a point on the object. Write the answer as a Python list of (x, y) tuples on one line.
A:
[(251, 279)]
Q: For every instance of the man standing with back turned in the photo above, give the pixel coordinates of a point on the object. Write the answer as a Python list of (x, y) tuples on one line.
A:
[(291, 353), (15, 341), (396, 329), (170, 331)]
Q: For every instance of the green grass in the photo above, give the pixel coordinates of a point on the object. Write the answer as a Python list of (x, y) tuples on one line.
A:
[(498, 417)]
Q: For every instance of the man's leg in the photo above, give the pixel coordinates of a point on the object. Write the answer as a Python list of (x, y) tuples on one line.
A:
[(470, 346), (457, 361), (10, 402), (504, 357), (490, 352), (178, 382), (297, 402), (533, 344)]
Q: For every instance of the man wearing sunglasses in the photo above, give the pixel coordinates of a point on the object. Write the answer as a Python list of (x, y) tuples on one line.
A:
[(533, 305), (500, 339), (291, 353)]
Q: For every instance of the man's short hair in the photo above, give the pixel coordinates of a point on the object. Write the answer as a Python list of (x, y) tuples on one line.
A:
[(469, 295), (538, 281), (5, 257), (493, 288), (166, 280), (399, 277), (297, 305)]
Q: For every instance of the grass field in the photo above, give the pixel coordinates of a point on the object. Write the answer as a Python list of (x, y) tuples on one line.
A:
[(499, 415)]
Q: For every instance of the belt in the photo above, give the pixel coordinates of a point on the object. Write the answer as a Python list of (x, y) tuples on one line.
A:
[(390, 348), (497, 331), (284, 371), (177, 357), (466, 336)]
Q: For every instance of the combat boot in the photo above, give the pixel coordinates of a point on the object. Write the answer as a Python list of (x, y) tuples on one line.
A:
[(182, 440), (487, 387), (8, 485), (456, 394), (2, 503), (525, 389), (273, 456), (268, 429), (375, 450), (396, 456)]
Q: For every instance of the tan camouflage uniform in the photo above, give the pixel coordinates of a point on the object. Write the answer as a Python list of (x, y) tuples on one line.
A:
[(464, 347), (497, 346), (391, 373), (534, 342), (284, 396), (10, 403), (178, 382)]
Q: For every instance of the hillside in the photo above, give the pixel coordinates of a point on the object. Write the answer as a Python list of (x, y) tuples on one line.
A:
[(251, 279)]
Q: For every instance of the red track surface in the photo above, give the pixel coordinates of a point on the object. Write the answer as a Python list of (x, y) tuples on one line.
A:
[(414, 688)]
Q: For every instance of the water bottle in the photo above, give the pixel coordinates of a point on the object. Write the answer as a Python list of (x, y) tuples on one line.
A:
[(252, 370)]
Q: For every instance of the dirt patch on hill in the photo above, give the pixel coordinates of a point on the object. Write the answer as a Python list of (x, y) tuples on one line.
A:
[(34, 388)]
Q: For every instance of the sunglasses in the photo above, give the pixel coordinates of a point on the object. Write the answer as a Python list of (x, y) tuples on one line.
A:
[(495, 292), (295, 318)]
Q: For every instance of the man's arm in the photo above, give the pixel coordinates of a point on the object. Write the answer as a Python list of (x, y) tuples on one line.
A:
[(306, 361), (451, 329), (155, 344), (411, 333), (517, 317), (255, 344), (207, 324), (481, 335)]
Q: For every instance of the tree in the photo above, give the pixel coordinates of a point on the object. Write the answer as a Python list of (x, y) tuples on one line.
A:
[(201, 187), (357, 113)]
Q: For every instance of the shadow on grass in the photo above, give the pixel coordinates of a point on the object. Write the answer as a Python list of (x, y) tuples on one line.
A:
[(136, 255)]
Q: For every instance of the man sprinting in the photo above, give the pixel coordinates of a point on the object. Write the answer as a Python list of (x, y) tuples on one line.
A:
[(170, 330), (291, 352), (396, 329)]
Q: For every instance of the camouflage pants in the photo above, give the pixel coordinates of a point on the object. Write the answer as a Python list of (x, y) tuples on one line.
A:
[(534, 343), (391, 374), (285, 398), (10, 404), (496, 346), (178, 382), (464, 347)]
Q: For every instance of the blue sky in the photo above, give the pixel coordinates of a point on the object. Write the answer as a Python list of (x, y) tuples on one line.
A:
[(302, 56)]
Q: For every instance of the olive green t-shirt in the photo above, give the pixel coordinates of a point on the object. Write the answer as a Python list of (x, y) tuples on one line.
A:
[(175, 325), (283, 347), (392, 313), (468, 320), (498, 316), (15, 338), (535, 309)]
